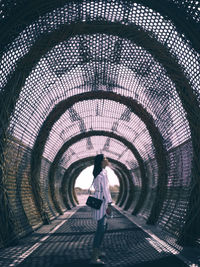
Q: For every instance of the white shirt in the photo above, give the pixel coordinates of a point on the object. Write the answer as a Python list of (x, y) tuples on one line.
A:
[(101, 186)]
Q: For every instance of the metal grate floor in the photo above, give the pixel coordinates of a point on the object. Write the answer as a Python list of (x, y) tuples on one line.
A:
[(69, 244)]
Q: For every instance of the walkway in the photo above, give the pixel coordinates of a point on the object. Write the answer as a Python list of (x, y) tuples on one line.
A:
[(67, 242)]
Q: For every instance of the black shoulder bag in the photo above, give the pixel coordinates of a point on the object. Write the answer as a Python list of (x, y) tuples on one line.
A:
[(92, 201)]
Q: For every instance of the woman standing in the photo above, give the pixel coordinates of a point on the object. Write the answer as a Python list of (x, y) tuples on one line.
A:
[(101, 187)]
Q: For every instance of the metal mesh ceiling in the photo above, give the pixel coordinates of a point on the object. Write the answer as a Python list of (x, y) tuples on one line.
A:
[(100, 62), (85, 62), (65, 71), (114, 148), (124, 12), (98, 115)]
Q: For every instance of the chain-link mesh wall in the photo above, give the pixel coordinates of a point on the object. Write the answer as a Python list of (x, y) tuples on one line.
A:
[(141, 58)]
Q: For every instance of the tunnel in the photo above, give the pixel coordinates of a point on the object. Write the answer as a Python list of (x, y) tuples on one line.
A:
[(118, 77)]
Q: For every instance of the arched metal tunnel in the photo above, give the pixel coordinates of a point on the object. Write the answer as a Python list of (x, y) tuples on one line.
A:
[(114, 77)]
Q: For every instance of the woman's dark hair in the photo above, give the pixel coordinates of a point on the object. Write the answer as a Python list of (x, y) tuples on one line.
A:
[(97, 164)]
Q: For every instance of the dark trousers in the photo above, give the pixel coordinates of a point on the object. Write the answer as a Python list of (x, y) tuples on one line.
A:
[(99, 234)]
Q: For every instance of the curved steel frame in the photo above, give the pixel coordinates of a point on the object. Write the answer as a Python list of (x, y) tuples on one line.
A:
[(135, 34), (179, 17), (99, 133), (136, 108)]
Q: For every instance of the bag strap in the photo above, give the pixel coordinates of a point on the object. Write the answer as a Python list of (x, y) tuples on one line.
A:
[(89, 191)]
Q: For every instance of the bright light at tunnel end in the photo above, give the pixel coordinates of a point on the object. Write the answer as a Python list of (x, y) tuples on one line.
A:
[(85, 178)]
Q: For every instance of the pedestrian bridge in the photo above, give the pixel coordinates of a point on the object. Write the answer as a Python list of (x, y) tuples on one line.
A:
[(118, 77), (67, 242)]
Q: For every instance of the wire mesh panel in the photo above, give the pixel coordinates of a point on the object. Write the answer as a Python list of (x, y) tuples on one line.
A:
[(98, 115), (145, 88), (178, 191), (110, 147), (18, 186)]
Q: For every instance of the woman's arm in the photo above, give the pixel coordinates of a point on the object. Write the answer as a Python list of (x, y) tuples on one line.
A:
[(105, 187)]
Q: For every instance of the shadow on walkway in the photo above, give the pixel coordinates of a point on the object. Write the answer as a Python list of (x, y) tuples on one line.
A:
[(169, 261), (67, 242)]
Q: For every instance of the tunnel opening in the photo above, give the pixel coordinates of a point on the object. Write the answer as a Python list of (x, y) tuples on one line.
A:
[(84, 182)]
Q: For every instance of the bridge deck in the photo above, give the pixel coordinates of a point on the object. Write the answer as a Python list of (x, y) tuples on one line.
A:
[(67, 242)]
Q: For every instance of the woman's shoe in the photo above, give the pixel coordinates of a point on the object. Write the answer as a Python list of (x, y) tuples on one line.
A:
[(95, 257), (97, 262)]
